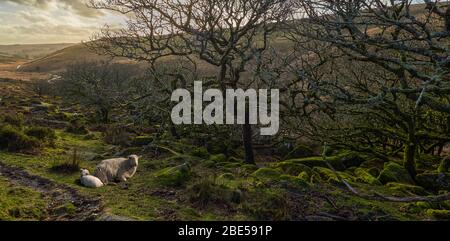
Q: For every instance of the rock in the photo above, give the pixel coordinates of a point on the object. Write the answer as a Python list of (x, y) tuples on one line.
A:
[(329, 176), (352, 160), (293, 169), (373, 163), (219, 158), (305, 177), (407, 189), (227, 176), (438, 214), (340, 162), (200, 152), (393, 172), (434, 181), (444, 165), (319, 162), (363, 175), (174, 176), (142, 140), (267, 173), (293, 180)]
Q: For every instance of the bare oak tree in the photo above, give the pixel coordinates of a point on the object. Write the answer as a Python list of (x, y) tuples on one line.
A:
[(378, 71), (226, 34)]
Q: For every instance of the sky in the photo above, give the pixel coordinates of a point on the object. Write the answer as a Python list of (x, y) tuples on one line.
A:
[(51, 21)]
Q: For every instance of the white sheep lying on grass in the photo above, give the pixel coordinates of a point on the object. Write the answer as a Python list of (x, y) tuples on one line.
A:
[(90, 181), (117, 170)]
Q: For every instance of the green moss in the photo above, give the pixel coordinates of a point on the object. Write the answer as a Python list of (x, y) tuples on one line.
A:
[(407, 189), (267, 173), (14, 140), (20, 203), (173, 176), (339, 162), (67, 208), (423, 205), (329, 176), (260, 205), (438, 214), (41, 133), (434, 181), (393, 172), (249, 167), (200, 152), (363, 175), (219, 158), (294, 180), (16, 120), (209, 163), (292, 168), (444, 165), (227, 176), (305, 176)]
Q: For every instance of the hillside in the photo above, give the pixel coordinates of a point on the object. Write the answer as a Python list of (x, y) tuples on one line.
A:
[(31, 51)]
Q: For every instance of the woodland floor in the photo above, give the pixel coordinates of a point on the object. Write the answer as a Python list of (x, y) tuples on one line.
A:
[(30, 188)]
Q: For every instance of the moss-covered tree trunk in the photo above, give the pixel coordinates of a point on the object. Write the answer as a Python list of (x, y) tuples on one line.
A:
[(409, 159)]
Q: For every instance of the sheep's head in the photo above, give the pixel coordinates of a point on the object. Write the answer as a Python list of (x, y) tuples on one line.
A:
[(134, 160), (84, 172)]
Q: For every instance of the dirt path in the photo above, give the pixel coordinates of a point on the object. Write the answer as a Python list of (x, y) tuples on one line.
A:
[(87, 208)]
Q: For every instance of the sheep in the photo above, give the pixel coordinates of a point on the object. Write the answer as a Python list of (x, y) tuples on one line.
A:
[(90, 181), (117, 170)]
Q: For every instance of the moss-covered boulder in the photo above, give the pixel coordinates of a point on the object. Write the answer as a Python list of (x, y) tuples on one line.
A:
[(329, 175), (249, 167), (352, 160), (219, 158), (319, 162), (339, 162), (434, 180), (226, 176), (394, 172), (201, 152), (444, 166), (293, 180), (373, 163), (363, 175), (174, 176), (293, 169), (438, 214), (426, 162), (267, 173), (305, 176), (407, 189)]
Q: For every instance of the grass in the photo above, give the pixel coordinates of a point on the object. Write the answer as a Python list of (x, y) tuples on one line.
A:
[(20, 203)]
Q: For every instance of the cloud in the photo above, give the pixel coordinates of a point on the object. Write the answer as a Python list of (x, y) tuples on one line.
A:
[(78, 7)]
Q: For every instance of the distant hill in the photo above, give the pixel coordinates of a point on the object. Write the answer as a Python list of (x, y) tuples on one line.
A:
[(31, 51), (58, 60)]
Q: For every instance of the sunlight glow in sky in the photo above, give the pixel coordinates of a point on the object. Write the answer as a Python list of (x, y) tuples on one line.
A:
[(50, 21)]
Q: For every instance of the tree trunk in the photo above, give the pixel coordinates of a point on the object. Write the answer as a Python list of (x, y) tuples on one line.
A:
[(173, 131), (248, 145), (409, 158), (247, 136), (104, 115)]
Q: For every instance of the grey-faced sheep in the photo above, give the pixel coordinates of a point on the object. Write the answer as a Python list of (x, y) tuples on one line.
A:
[(90, 181), (117, 170)]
